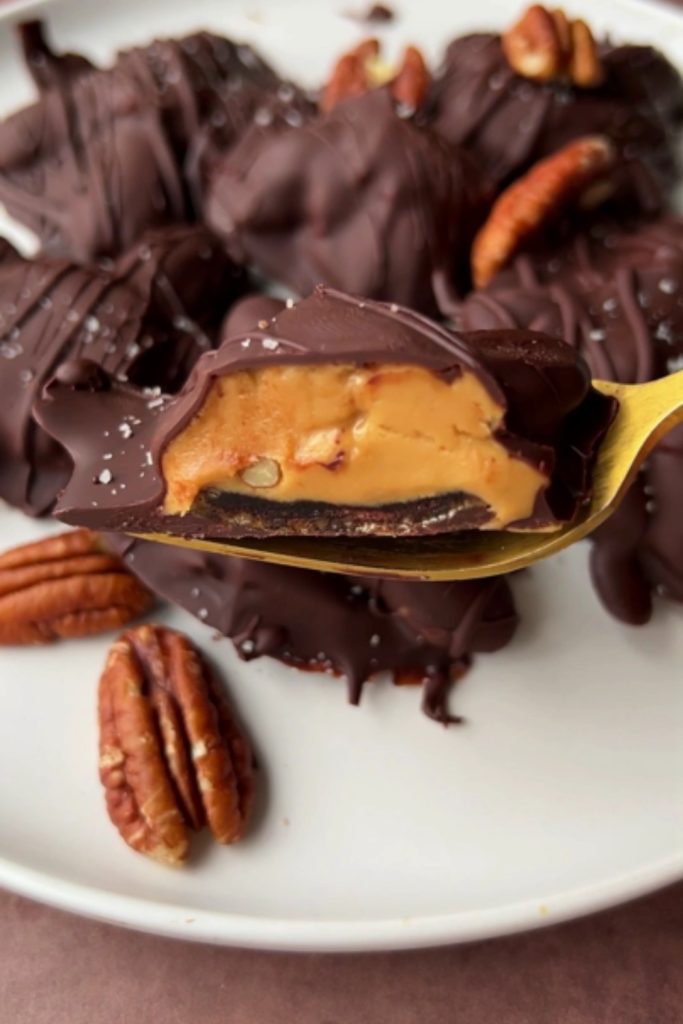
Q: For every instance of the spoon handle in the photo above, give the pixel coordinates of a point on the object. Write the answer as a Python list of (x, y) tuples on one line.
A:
[(646, 413)]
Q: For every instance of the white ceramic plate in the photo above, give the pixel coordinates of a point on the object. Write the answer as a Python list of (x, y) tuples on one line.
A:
[(378, 829)]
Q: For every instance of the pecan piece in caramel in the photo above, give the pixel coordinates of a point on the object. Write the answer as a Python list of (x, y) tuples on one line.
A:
[(65, 586), (172, 757)]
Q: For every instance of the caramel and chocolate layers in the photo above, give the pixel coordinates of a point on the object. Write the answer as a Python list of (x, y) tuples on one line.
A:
[(338, 417), (422, 633)]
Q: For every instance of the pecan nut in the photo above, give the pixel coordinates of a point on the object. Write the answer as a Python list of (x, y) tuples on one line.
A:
[(172, 757), (572, 175), (411, 82), (361, 69), (546, 46), (65, 586)]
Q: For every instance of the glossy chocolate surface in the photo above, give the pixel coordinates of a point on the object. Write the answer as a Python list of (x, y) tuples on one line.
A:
[(105, 154), (509, 122), (360, 199)]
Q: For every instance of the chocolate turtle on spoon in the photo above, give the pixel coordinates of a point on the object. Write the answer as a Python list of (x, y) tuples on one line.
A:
[(339, 417)]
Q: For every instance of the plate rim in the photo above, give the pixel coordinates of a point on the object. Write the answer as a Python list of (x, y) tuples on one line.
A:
[(338, 935), (307, 935)]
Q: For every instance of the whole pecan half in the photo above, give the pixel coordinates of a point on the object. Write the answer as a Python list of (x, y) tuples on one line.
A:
[(572, 175), (546, 46), (65, 586), (172, 757), (361, 69)]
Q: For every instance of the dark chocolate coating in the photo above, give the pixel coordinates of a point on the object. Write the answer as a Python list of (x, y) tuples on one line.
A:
[(349, 626), (617, 296), (103, 154), (554, 420), (248, 312), (360, 199), (145, 318), (509, 122)]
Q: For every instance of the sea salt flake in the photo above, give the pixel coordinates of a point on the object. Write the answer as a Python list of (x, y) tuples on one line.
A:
[(263, 117), (664, 332), (668, 285), (105, 476)]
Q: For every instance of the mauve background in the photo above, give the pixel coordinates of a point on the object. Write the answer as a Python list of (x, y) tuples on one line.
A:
[(624, 966)]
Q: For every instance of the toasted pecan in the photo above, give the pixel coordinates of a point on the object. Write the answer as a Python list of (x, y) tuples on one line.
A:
[(172, 756), (537, 198), (65, 586), (546, 46), (361, 69)]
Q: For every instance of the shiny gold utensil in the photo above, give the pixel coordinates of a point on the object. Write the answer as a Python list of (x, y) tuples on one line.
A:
[(646, 413)]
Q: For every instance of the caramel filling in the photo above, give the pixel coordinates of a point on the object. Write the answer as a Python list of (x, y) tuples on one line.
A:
[(349, 435)]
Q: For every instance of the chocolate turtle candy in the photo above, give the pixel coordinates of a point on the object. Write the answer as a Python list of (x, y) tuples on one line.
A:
[(146, 318), (106, 153), (340, 417), (359, 198), (423, 633), (509, 121)]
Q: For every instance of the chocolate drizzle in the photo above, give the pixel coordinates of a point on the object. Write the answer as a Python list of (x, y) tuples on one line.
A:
[(360, 199), (617, 296), (509, 122), (348, 626), (145, 319), (554, 420), (107, 153)]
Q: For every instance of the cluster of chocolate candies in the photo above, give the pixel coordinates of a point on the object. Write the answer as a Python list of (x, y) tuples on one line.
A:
[(524, 185)]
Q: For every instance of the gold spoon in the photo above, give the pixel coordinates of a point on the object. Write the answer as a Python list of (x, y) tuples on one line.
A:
[(646, 413)]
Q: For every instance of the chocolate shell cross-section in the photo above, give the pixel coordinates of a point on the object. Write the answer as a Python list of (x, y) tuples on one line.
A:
[(340, 417)]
